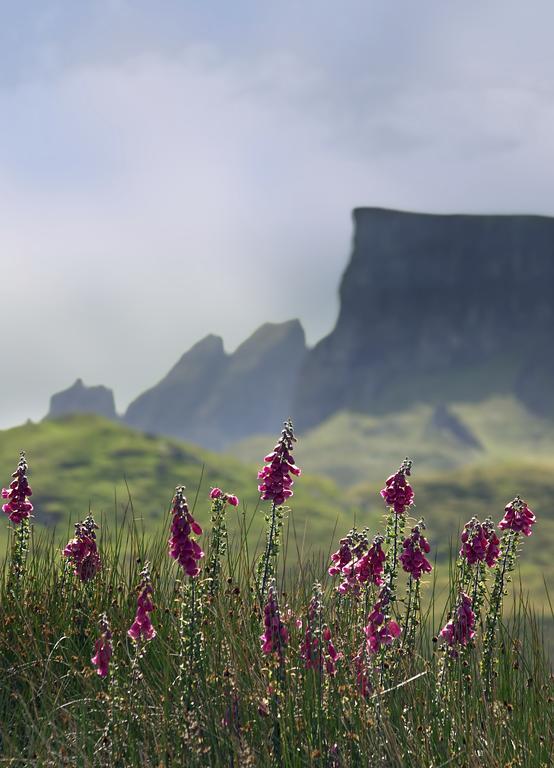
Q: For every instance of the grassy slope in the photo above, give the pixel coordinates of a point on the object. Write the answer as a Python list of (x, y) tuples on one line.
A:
[(79, 461), (352, 448)]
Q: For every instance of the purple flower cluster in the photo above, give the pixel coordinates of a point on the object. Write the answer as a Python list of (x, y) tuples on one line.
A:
[(217, 493), (18, 507), (361, 672), (310, 649), (275, 477), (103, 647), (517, 517), (358, 562), (398, 493), (142, 625), (318, 652), (275, 635), (342, 557), (81, 551), (480, 542), (369, 568), (379, 630), (331, 653), (182, 547), (414, 548), (460, 630)]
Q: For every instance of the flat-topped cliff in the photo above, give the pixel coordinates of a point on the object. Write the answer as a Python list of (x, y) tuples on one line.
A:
[(434, 308)]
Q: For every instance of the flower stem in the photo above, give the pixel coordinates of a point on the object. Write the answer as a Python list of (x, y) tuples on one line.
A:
[(495, 609), (268, 551)]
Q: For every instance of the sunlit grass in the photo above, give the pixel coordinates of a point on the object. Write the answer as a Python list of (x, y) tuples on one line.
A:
[(55, 711)]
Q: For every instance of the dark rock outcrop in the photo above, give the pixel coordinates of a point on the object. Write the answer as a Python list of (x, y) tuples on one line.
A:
[(436, 308), (213, 399), (82, 399), (444, 422)]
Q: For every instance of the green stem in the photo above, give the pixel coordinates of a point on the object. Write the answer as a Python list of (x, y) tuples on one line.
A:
[(268, 550), (395, 553), (494, 613)]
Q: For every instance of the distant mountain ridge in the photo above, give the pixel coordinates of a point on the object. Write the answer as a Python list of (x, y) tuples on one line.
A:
[(433, 309), (212, 398)]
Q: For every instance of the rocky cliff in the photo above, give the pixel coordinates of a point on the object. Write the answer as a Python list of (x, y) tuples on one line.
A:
[(82, 399), (213, 398), (437, 308)]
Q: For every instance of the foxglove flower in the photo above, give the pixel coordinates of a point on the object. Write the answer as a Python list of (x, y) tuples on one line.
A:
[(182, 547), (480, 542), (18, 507), (318, 650), (275, 477), (310, 649), (349, 583), (460, 630), (517, 517), (142, 625), (414, 549), (103, 647), (398, 493), (218, 540), (332, 656), (380, 630), (369, 568), (217, 493), (493, 546), (81, 551), (349, 562), (361, 671), (275, 636), (341, 557), (275, 485)]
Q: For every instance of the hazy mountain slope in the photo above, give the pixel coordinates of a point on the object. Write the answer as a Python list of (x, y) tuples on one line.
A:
[(212, 398), (353, 448), (169, 407)]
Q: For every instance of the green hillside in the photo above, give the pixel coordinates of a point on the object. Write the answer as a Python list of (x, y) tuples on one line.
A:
[(81, 461), (353, 448)]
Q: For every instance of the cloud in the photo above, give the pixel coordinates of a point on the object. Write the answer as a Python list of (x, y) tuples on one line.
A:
[(161, 181)]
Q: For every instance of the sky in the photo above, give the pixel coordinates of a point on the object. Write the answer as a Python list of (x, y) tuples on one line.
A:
[(176, 168)]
